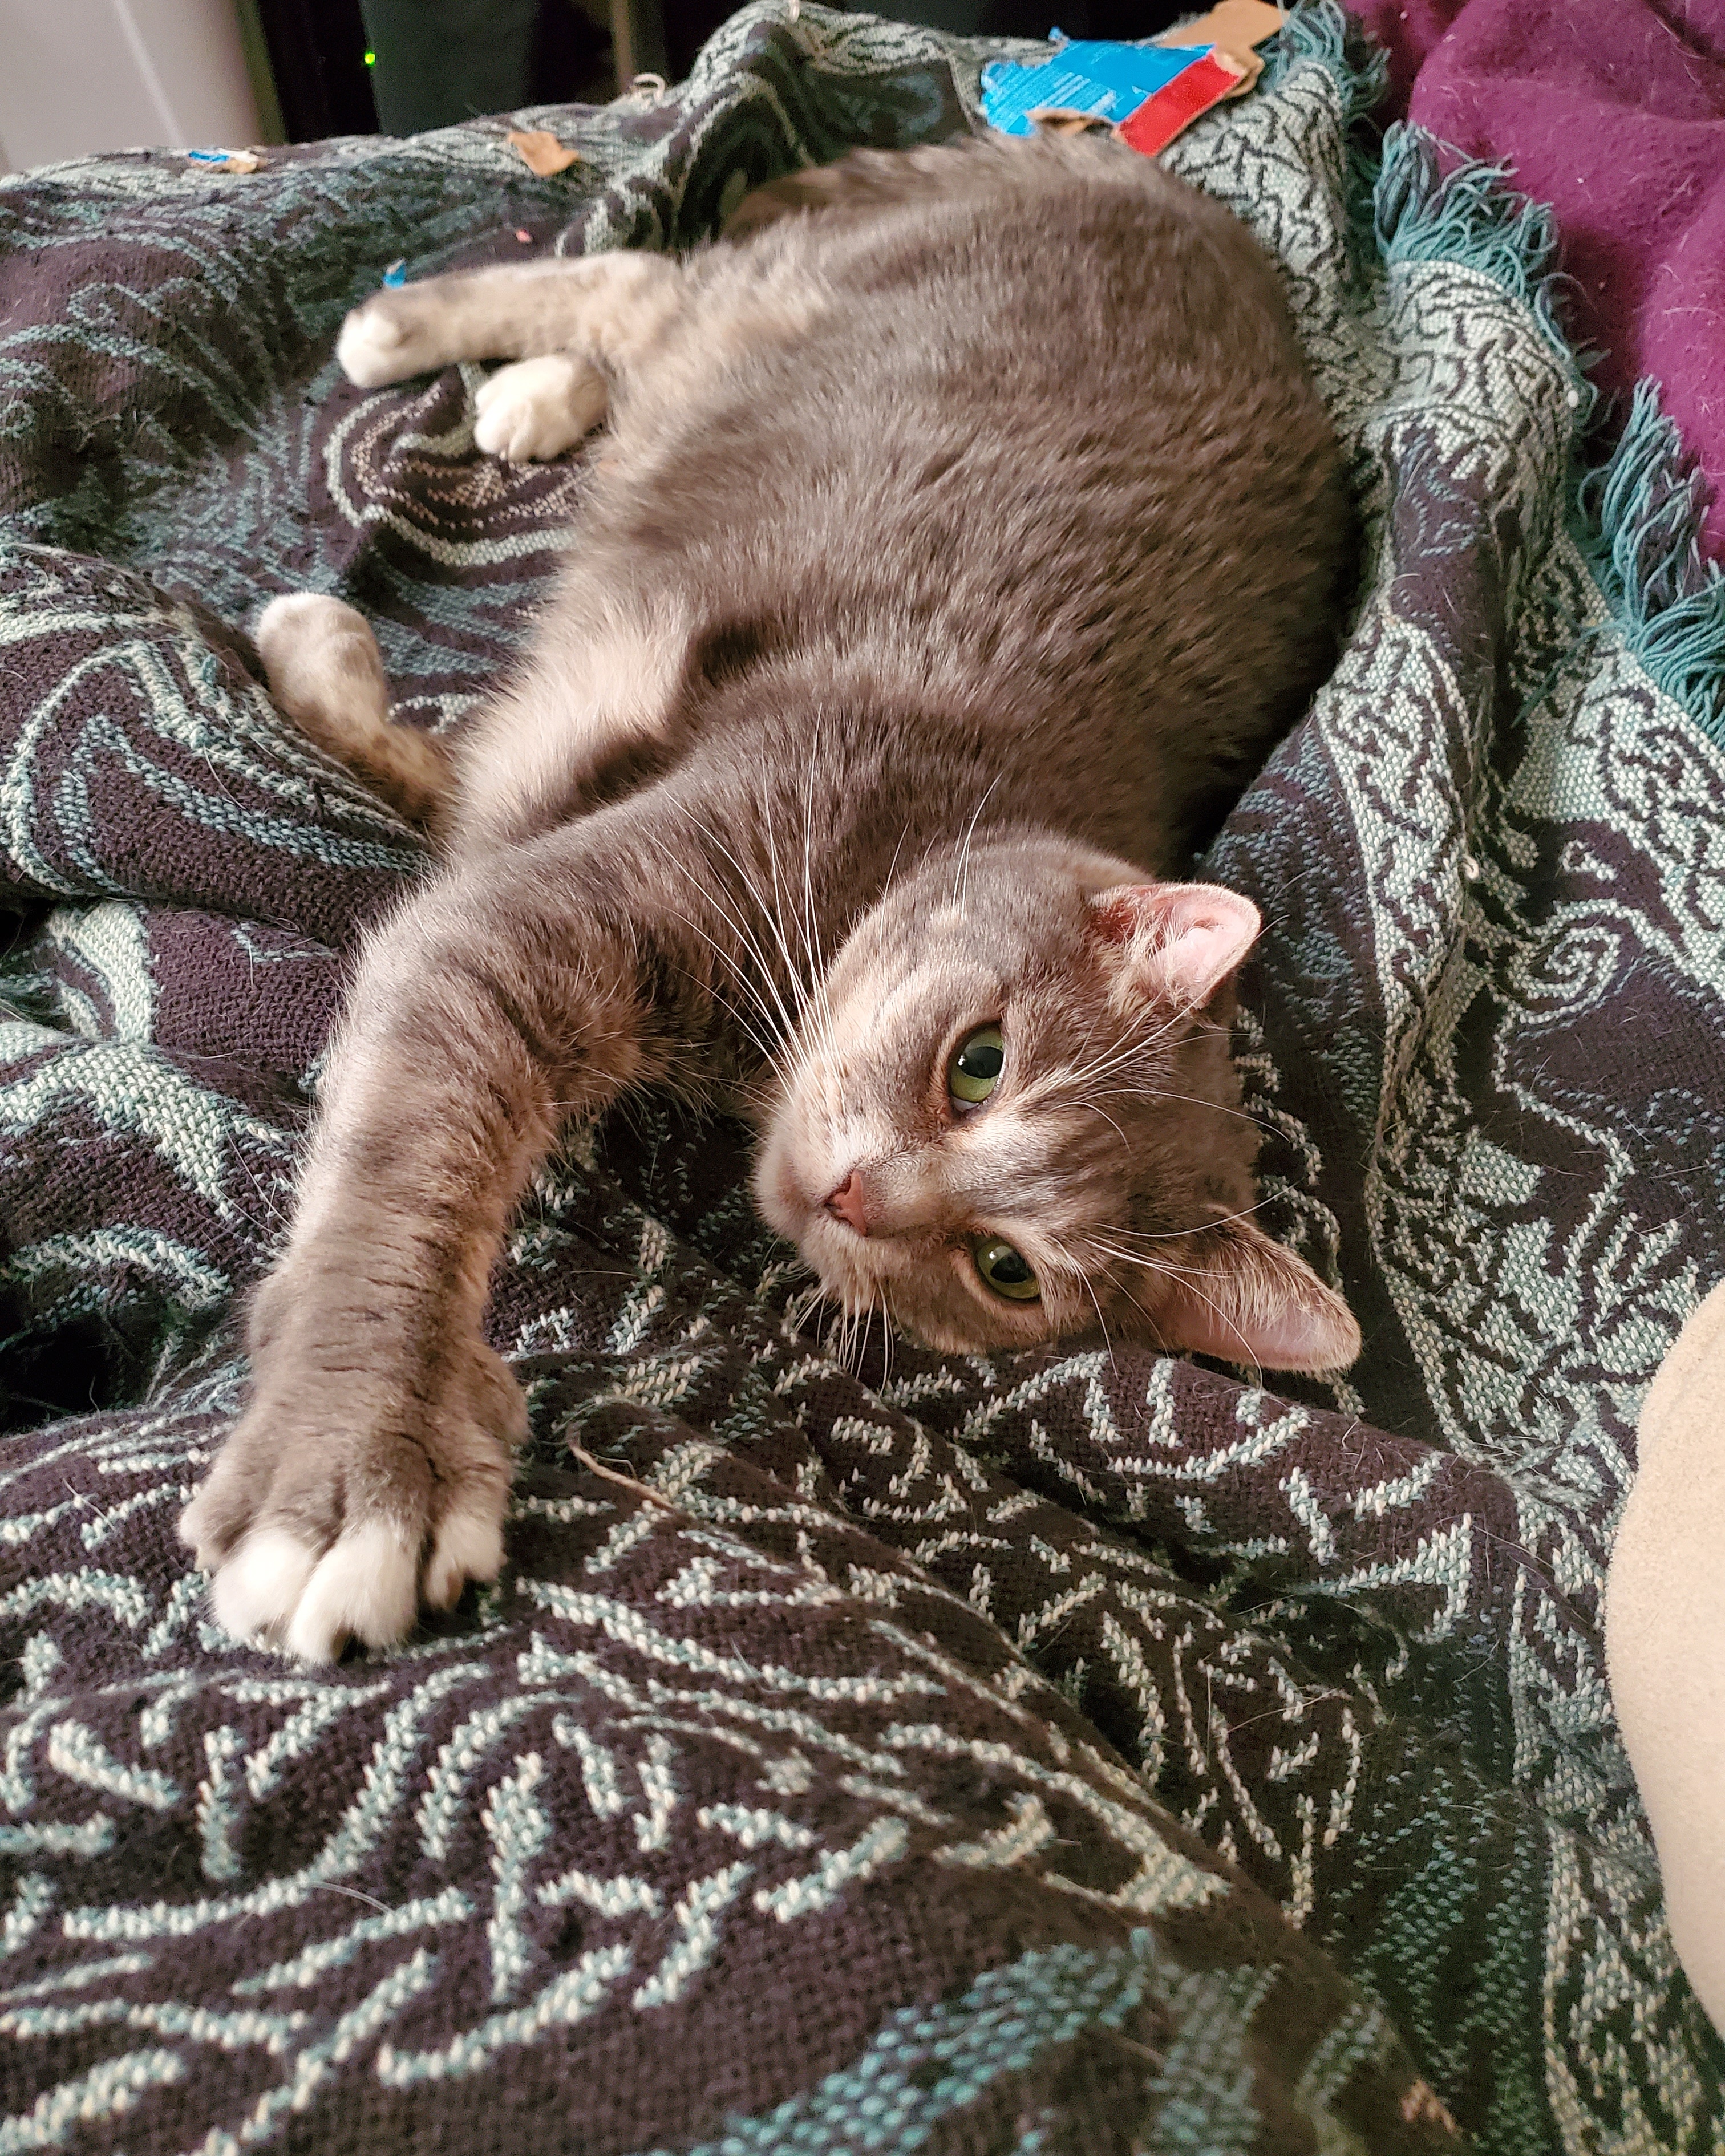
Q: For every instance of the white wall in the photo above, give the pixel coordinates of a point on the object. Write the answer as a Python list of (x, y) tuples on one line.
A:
[(77, 75)]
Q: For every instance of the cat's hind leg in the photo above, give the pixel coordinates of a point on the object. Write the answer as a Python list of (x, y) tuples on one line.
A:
[(324, 671)]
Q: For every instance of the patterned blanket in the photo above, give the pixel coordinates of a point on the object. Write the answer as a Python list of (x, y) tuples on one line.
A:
[(1059, 1755)]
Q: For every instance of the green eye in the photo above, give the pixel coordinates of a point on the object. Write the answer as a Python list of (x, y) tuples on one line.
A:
[(975, 1070), (1005, 1271)]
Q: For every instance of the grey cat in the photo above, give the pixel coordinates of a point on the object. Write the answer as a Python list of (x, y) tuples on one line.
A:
[(955, 555)]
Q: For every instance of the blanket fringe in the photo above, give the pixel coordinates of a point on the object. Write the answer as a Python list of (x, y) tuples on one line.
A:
[(1637, 518), (1320, 33), (1638, 521), (1323, 33), (1470, 215)]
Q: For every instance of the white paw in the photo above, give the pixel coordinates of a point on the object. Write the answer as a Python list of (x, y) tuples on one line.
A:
[(538, 408), (344, 1496), (372, 350), (297, 619), (276, 1592)]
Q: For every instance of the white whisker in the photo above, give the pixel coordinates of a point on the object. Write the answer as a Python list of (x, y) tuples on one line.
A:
[(961, 874)]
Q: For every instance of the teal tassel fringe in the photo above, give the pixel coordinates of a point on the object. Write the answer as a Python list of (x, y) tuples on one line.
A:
[(1422, 213), (1638, 521), (1637, 517), (1320, 33)]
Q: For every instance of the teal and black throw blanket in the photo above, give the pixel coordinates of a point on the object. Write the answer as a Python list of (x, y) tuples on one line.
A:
[(1058, 1756)]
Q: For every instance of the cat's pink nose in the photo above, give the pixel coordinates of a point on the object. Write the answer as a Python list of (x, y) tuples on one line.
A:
[(845, 1204)]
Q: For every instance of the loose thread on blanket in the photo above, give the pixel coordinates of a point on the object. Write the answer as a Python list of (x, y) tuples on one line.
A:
[(624, 1482)]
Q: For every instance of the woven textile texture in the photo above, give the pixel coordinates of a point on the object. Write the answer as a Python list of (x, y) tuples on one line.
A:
[(1613, 112), (1055, 1757)]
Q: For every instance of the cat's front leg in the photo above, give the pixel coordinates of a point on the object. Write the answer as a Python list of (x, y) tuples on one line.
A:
[(603, 311), (372, 1469)]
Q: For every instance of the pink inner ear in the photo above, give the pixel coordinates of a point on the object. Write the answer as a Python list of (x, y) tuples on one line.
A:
[(1245, 1299), (1184, 938), (1307, 1335)]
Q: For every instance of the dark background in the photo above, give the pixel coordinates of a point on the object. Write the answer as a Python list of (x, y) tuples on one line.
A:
[(318, 50)]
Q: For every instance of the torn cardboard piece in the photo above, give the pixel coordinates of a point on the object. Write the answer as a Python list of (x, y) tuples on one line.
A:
[(1234, 27), (540, 151), (1237, 24), (1146, 94)]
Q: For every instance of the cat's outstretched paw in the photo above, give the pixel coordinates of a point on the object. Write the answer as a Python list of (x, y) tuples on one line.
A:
[(538, 408), (323, 1522), (390, 337)]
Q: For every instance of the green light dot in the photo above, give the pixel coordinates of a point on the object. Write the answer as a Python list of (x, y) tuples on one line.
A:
[(370, 59)]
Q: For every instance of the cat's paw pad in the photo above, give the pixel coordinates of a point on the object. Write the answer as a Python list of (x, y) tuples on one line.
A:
[(538, 408), (378, 344), (468, 1545), (276, 1590)]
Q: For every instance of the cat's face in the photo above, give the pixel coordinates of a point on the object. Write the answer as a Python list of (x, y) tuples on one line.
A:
[(1012, 1115)]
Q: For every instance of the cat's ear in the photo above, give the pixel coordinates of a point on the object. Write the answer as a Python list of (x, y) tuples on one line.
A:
[(1243, 1298), (1178, 942)]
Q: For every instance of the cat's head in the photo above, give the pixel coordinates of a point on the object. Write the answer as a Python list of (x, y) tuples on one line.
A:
[(1010, 1114)]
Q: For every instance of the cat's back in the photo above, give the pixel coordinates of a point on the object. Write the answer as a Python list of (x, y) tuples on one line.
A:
[(1042, 295), (1047, 360), (1026, 421), (1042, 252)]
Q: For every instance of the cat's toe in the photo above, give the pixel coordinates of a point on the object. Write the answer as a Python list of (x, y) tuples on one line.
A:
[(538, 408), (258, 1588), (375, 348), (468, 1545), (365, 1588)]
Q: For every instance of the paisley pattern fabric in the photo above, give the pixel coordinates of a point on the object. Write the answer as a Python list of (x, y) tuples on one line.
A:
[(1059, 1755)]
